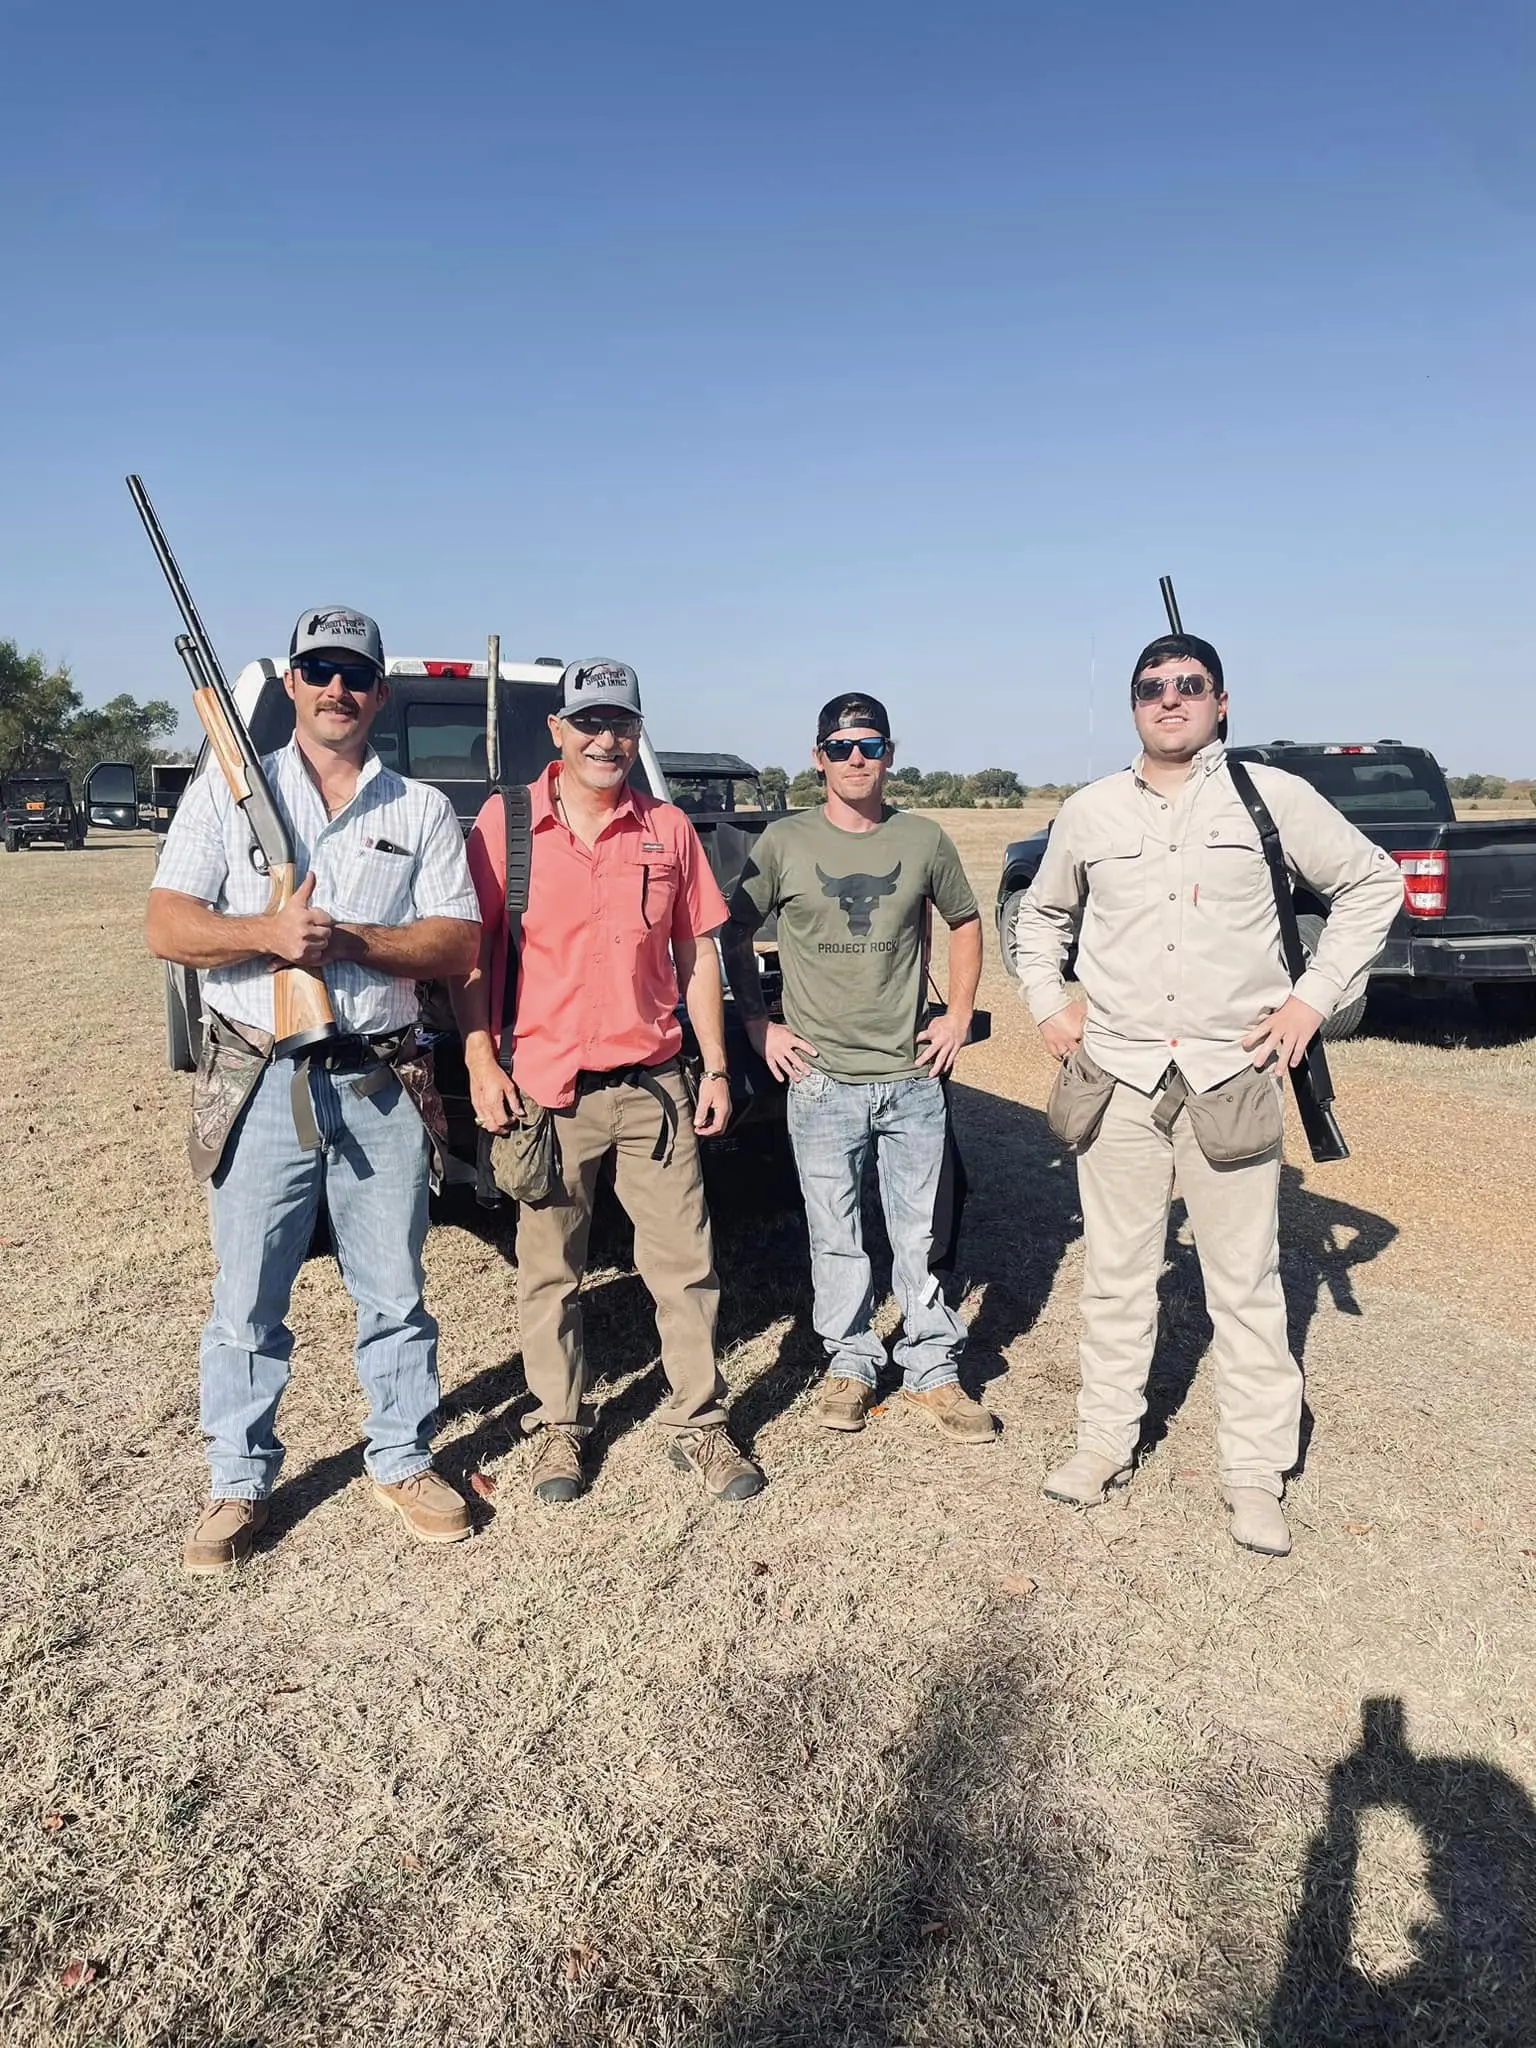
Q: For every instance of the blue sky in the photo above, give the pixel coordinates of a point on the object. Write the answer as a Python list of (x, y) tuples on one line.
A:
[(777, 352)]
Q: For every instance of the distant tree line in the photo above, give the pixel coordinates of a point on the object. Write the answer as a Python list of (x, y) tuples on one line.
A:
[(45, 725), (1477, 785), (942, 790)]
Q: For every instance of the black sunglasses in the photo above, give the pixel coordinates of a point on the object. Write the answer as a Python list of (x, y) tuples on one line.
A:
[(356, 677), (624, 725), (842, 750), (1149, 689)]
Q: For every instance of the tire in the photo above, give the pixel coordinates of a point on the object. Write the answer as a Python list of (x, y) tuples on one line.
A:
[(1007, 918), (1347, 1018), (14, 842)]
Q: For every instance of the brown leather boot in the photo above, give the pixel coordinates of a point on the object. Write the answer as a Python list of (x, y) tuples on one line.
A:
[(428, 1506), (225, 1531), (952, 1411)]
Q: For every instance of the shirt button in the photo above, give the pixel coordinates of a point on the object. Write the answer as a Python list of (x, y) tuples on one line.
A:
[(1173, 895), (1173, 849), (1170, 999), (1170, 945)]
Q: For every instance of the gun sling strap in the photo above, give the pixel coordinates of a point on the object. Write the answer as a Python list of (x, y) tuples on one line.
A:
[(1311, 1082)]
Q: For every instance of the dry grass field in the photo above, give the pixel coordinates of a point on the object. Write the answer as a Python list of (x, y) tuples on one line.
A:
[(895, 1755)]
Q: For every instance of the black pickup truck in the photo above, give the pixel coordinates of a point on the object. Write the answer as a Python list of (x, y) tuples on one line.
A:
[(1469, 886), (432, 726)]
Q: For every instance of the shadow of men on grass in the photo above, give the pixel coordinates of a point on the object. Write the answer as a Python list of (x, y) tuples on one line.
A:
[(920, 1904), (1474, 1979), (1322, 1241)]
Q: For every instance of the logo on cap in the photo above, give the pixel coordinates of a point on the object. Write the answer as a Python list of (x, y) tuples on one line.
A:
[(604, 675), (348, 624)]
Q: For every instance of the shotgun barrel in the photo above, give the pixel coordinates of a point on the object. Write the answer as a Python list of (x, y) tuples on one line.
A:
[(1170, 604), (303, 1017)]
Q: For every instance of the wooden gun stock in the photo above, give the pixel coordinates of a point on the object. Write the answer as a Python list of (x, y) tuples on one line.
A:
[(301, 1002)]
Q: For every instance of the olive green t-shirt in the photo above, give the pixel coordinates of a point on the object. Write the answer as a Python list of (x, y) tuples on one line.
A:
[(851, 912)]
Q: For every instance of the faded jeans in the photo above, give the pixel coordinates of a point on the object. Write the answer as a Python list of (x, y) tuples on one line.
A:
[(832, 1125), (263, 1201)]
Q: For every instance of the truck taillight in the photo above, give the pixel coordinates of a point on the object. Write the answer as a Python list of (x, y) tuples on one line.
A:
[(1426, 881)]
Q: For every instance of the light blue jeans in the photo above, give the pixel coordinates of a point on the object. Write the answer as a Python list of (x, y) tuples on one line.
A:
[(264, 1200), (832, 1125)]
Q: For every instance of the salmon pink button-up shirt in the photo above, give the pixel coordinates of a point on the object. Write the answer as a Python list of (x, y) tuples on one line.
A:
[(596, 985)]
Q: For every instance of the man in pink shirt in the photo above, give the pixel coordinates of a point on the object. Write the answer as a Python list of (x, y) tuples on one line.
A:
[(620, 898)]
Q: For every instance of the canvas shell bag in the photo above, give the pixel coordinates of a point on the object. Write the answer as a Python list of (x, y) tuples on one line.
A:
[(1079, 1097), (1236, 1123), (526, 1162)]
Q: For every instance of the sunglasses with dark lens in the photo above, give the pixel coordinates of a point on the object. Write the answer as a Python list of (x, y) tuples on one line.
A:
[(356, 677), (1149, 689), (842, 750), (624, 725)]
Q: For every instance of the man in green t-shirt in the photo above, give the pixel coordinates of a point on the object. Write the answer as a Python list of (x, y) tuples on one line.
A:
[(850, 883)]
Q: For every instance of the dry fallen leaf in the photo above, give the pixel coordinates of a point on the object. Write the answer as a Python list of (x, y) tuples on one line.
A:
[(1358, 1528), (482, 1484), (54, 1821), (1478, 1525), (412, 1861), (76, 1974), (878, 1409), (1019, 1584)]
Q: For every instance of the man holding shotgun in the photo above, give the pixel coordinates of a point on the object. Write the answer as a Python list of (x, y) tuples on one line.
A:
[(386, 901), (1173, 1065)]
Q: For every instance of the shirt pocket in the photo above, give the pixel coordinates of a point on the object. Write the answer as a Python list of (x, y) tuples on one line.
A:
[(1232, 864), (376, 889), (1118, 876), (653, 889)]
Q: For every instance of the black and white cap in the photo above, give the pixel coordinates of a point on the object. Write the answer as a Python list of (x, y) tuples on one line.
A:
[(599, 684), (337, 629)]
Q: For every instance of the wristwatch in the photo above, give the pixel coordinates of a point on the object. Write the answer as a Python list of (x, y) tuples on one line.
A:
[(715, 1074)]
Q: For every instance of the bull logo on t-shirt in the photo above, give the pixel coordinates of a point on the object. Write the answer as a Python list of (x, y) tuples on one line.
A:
[(858, 894)]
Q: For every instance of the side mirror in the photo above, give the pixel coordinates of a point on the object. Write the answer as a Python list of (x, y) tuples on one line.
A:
[(112, 796)]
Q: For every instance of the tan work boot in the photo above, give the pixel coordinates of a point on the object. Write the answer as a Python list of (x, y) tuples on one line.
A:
[(1258, 1521), (225, 1531), (557, 1474), (1085, 1480), (430, 1508), (726, 1474), (844, 1402), (951, 1410)]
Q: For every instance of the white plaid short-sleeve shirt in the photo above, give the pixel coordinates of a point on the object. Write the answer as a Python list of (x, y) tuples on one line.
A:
[(393, 855)]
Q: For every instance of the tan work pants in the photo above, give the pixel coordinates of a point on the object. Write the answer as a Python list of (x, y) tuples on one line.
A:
[(673, 1252), (1126, 1181)]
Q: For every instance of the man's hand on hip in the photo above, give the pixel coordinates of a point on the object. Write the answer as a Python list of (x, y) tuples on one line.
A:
[(784, 1052), (1284, 1035), (1063, 1033), (714, 1107), (939, 1043)]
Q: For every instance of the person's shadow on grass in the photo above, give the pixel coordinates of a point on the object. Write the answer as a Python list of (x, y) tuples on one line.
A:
[(1474, 1976)]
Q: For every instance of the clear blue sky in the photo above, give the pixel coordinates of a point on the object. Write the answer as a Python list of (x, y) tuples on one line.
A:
[(782, 349)]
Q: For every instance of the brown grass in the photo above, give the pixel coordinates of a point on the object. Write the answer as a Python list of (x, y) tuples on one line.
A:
[(821, 1770)]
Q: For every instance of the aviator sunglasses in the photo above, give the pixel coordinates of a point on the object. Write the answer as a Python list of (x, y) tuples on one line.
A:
[(1149, 689), (355, 677), (842, 750)]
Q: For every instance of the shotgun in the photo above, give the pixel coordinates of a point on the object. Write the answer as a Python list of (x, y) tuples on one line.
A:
[(1311, 1082), (303, 1016)]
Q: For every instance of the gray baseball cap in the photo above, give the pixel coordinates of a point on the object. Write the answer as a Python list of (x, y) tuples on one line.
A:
[(597, 684), (337, 629)]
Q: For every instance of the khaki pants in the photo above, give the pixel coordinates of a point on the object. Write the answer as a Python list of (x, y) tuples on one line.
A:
[(1126, 1181), (673, 1251)]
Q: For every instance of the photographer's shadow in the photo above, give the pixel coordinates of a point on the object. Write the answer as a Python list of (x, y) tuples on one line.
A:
[(1474, 1973)]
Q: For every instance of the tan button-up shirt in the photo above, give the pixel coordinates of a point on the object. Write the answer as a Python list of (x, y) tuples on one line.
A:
[(1179, 952)]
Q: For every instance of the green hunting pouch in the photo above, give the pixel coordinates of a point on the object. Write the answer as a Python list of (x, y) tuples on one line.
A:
[(233, 1059), (1236, 1123), (1079, 1097), (526, 1162)]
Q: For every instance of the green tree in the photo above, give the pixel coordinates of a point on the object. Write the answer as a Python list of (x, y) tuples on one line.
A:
[(945, 791), (775, 785), (120, 730), (36, 704), (806, 790), (904, 778), (993, 782)]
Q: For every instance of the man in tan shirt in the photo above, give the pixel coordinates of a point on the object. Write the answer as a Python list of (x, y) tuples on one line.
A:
[(1179, 957)]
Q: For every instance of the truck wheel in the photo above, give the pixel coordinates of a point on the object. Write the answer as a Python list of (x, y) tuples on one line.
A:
[(1506, 1005), (1005, 926), (1347, 1018)]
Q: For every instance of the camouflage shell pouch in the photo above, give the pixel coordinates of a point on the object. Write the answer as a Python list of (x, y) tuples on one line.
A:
[(526, 1162), (233, 1060)]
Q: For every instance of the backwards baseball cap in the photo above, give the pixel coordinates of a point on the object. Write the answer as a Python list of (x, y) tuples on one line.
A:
[(337, 629), (598, 685), (852, 708), (1181, 647)]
